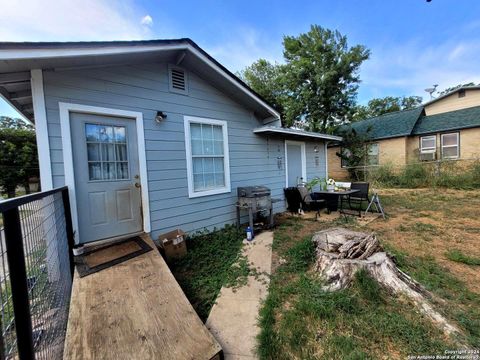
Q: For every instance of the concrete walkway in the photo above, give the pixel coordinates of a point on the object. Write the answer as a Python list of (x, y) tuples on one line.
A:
[(233, 318)]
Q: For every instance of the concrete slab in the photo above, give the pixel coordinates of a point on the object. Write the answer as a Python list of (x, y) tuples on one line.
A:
[(233, 318)]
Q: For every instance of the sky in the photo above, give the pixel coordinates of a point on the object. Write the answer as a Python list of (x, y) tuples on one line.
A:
[(414, 43)]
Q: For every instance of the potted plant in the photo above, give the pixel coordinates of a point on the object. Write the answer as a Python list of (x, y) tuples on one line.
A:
[(331, 185), (322, 184)]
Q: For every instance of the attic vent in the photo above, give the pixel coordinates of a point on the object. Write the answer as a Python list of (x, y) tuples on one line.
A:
[(461, 93), (178, 80)]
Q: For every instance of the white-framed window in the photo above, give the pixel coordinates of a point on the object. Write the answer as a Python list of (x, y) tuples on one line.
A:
[(450, 145), (372, 154), (428, 144), (208, 166)]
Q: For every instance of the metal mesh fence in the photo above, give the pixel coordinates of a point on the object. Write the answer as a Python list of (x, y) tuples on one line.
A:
[(48, 278)]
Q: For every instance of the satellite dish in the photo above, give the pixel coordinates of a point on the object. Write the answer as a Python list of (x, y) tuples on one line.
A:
[(431, 90)]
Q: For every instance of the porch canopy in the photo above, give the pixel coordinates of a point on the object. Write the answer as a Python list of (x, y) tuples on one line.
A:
[(295, 133)]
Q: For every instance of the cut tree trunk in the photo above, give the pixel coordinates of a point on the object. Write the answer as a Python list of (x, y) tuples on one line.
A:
[(341, 253)]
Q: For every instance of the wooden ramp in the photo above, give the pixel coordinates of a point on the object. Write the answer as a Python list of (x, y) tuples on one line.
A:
[(135, 310)]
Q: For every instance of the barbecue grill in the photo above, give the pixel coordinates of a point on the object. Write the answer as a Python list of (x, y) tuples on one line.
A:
[(257, 201)]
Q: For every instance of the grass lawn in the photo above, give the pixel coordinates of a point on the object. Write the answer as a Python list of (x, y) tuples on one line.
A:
[(425, 227)]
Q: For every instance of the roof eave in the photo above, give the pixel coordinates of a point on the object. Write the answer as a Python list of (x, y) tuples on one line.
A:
[(294, 132)]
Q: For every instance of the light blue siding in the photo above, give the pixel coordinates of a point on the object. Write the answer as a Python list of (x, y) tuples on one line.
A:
[(144, 88)]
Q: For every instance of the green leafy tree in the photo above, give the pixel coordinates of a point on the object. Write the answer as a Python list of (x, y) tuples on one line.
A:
[(380, 106), (353, 151), (266, 79), (321, 77), (18, 156), (317, 86), (15, 123)]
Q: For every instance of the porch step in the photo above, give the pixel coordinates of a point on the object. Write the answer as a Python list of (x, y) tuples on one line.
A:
[(135, 310)]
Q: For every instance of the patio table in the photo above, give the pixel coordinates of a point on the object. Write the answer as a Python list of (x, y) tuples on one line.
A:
[(332, 197)]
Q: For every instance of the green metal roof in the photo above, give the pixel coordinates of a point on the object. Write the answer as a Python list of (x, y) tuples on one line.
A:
[(394, 124), (453, 120)]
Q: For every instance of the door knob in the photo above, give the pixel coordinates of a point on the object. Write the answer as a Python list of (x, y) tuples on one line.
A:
[(137, 185)]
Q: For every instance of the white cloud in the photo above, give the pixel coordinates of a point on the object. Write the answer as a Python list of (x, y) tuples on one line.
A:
[(70, 20), (409, 68), (244, 45), (147, 20)]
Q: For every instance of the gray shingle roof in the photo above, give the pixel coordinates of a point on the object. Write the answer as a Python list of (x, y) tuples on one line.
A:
[(394, 124), (453, 120)]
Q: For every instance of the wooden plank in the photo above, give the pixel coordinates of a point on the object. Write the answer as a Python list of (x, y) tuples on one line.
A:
[(135, 310)]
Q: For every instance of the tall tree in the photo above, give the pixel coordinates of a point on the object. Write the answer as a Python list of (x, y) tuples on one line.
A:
[(18, 154), (380, 106), (266, 79), (321, 77)]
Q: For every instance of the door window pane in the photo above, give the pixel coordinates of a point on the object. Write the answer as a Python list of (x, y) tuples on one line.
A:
[(106, 152)]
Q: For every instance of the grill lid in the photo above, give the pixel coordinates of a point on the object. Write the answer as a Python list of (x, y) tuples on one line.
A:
[(253, 191)]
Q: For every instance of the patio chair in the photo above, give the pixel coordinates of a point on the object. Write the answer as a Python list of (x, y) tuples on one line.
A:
[(294, 199), (309, 203), (359, 197)]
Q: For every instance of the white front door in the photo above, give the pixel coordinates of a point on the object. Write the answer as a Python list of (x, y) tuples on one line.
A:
[(295, 163), (106, 169)]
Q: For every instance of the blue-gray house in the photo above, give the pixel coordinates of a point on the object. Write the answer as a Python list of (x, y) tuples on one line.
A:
[(150, 136)]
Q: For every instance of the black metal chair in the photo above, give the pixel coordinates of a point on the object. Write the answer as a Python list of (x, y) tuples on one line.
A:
[(294, 199), (359, 197), (310, 203)]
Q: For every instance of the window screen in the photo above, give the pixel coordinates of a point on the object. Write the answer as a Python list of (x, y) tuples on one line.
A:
[(372, 154), (427, 144), (450, 146)]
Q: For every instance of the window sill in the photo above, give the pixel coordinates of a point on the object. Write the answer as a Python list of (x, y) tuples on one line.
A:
[(192, 194)]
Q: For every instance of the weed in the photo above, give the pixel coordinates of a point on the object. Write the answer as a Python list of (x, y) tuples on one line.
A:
[(208, 266), (457, 256)]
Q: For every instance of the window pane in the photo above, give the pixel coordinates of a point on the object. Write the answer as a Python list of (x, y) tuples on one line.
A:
[(108, 152), (218, 164), (219, 179), (449, 139), (198, 182), (196, 131), (207, 146), (95, 171), (109, 171), (106, 133), (218, 147), (373, 149), (197, 147), (93, 152), (208, 165), (122, 170), (209, 180), (198, 166), (91, 132), (207, 132), (121, 152), (428, 142), (120, 134), (450, 152), (217, 133)]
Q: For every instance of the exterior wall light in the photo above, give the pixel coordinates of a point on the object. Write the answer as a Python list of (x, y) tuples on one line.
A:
[(160, 117)]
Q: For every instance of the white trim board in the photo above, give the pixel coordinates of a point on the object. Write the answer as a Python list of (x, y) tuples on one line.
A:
[(65, 109), (187, 120), (304, 159), (41, 129)]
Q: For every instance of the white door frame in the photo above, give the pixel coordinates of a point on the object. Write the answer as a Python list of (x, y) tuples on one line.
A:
[(304, 159), (65, 110)]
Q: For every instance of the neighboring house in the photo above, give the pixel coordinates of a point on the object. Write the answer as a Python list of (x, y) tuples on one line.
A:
[(151, 135), (445, 128)]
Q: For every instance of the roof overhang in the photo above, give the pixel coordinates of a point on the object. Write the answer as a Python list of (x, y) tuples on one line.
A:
[(295, 133), (17, 59)]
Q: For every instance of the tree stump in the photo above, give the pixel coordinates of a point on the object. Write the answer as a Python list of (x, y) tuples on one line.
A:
[(342, 252)]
